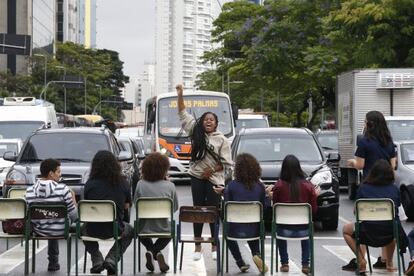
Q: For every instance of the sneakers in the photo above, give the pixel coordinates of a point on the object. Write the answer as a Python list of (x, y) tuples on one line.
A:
[(259, 263), (53, 267), (410, 269), (242, 266), (351, 266), (97, 268), (284, 268), (197, 255), (305, 269), (380, 264), (149, 264), (162, 264), (110, 267)]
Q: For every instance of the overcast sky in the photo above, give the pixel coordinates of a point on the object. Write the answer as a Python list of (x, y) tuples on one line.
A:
[(128, 27)]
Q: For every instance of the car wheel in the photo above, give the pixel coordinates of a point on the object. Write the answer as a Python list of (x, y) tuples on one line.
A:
[(407, 201), (352, 188), (331, 224)]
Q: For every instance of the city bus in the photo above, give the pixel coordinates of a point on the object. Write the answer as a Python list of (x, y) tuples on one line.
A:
[(163, 131)]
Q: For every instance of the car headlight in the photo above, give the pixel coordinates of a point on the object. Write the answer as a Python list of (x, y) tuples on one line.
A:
[(15, 177), (166, 152), (321, 177)]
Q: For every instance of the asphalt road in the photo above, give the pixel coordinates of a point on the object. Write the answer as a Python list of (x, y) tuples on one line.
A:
[(331, 252)]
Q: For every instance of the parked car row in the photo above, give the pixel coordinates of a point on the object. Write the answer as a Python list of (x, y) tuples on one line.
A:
[(74, 147)]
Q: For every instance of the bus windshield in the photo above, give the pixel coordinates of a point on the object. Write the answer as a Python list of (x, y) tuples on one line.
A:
[(169, 123)]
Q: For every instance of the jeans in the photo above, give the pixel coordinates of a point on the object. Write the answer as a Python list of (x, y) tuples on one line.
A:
[(156, 247), (123, 243), (203, 195), (235, 250), (410, 237), (282, 244), (53, 251)]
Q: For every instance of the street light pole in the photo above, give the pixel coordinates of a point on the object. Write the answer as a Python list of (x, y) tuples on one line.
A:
[(84, 78), (64, 87), (45, 71), (100, 98)]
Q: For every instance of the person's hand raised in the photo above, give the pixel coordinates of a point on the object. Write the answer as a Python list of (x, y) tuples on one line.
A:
[(179, 88)]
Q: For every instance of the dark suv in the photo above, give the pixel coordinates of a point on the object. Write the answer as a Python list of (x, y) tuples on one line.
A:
[(74, 147), (271, 145)]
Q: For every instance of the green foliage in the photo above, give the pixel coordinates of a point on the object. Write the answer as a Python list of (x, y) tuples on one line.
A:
[(98, 67), (297, 48)]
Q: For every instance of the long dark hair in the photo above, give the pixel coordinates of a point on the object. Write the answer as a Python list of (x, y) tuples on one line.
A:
[(381, 174), (198, 138), (376, 128), (247, 170), (292, 174), (106, 166)]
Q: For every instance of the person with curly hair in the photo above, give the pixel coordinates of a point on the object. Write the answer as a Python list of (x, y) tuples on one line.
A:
[(154, 183), (246, 186), (106, 182), (292, 187), (210, 155)]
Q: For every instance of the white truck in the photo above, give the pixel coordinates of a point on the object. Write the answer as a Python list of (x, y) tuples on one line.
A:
[(20, 116), (389, 91)]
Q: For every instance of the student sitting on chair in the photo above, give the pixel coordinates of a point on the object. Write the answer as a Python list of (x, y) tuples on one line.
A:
[(292, 187), (378, 184), (154, 183), (245, 187)]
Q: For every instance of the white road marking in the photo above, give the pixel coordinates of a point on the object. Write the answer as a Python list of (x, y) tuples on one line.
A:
[(343, 219), (14, 257)]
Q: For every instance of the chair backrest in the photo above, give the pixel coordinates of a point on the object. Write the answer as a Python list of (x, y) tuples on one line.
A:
[(243, 211), (292, 213), (16, 193), (12, 208), (97, 211), (47, 210), (374, 209), (154, 208), (198, 214)]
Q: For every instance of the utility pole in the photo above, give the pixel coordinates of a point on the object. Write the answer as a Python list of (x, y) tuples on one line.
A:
[(84, 78)]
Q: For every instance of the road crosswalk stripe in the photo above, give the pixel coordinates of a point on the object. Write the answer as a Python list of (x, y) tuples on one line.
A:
[(14, 257)]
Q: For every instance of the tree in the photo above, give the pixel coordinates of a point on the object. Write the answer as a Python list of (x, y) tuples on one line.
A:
[(374, 33)]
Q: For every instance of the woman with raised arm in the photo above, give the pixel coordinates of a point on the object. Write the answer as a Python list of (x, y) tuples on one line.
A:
[(210, 155)]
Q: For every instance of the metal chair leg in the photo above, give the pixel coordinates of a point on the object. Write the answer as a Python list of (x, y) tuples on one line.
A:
[(85, 259), (33, 255), (181, 256), (369, 259), (69, 253)]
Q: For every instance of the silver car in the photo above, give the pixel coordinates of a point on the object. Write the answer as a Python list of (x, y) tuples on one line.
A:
[(404, 175)]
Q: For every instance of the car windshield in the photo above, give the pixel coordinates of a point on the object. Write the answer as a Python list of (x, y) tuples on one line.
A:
[(401, 130), (328, 141), (170, 125), (67, 147), (16, 129), (407, 153), (268, 148), (8, 147), (250, 123)]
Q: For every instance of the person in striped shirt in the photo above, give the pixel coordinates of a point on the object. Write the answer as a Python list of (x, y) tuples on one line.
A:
[(47, 189)]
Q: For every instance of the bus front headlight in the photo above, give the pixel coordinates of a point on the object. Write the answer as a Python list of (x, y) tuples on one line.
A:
[(166, 152)]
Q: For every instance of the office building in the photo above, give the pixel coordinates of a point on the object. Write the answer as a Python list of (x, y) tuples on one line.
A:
[(16, 19), (183, 33)]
